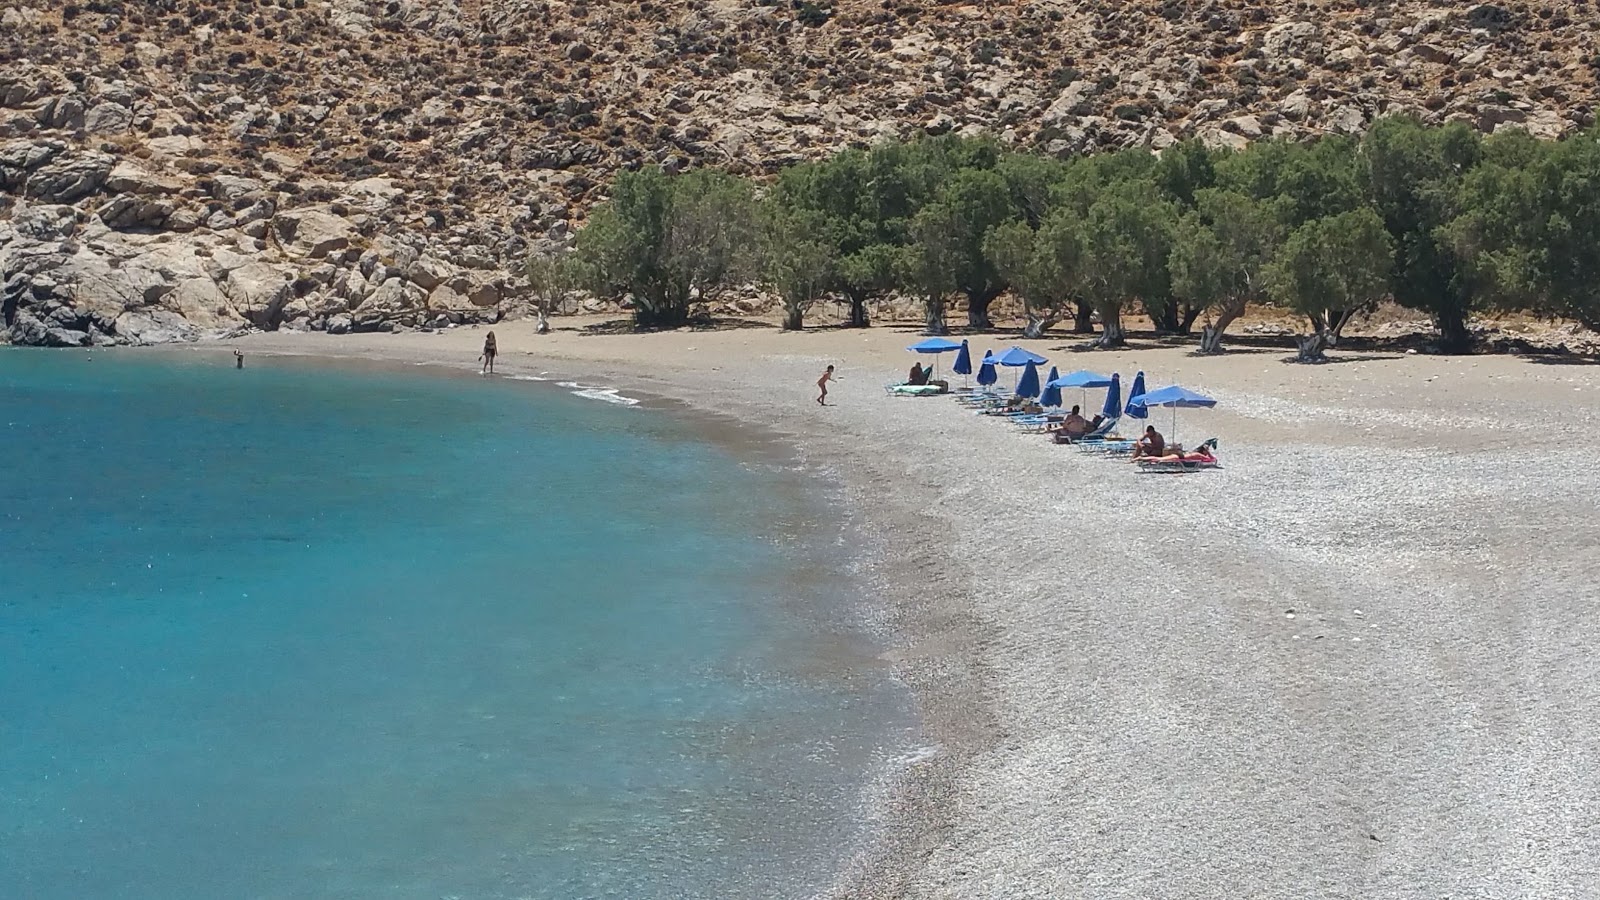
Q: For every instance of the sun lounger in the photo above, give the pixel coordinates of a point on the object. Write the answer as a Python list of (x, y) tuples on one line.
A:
[(1105, 429), (914, 390), (1202, 457)]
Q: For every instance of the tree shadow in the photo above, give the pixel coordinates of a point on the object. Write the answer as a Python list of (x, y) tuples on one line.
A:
[(1342, 358), (1229, 350), (1559, 359), (698, 324)]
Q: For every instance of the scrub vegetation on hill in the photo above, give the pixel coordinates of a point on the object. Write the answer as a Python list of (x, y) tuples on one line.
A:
[(1437, 218)]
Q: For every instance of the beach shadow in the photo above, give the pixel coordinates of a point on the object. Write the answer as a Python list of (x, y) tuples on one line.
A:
[(1559, 359), (1236, 351), (707, 323), (1342, 358)]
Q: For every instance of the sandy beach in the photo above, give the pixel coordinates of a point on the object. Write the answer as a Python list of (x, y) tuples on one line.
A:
[(1358, 661)]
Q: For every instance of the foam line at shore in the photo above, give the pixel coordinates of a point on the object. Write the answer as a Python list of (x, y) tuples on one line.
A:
[(603, 394)]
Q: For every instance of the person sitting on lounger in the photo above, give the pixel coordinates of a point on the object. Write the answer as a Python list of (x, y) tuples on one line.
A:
[(1151, 444), (918, 376), (1074, 424)]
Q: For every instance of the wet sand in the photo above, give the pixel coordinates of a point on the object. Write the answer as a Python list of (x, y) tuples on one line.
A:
[(1357, 662)]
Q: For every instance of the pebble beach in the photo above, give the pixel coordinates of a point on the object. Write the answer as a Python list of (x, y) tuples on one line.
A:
[(1356, 661)]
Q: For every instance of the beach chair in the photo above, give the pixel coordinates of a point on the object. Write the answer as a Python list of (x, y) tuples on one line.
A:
[(1201, 458), (1106, 428), (914, 390)]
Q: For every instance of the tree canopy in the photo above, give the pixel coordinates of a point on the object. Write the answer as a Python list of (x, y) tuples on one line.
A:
[(1466, 224)]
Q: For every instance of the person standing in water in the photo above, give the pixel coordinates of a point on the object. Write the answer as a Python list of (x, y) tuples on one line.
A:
[(489, 350), (238, 359), (822, 385)]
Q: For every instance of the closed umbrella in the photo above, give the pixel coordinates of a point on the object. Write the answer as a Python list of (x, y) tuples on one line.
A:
[(1133, 410), (1177, 398), (1113, 407), (963, 366), (1052, 393), (1028, 384), (986, 372)]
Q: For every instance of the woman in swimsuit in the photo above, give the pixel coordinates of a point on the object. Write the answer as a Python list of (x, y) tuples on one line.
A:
[(489, 350)]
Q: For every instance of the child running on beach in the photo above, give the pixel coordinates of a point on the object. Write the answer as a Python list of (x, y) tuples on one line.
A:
[(822, 385)]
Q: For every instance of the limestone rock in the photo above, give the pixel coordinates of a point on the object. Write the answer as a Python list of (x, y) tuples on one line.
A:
[(107, 118), (313, 233), (68, 178)]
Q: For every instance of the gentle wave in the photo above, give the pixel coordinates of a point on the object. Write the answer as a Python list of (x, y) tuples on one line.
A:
[(604, 394)]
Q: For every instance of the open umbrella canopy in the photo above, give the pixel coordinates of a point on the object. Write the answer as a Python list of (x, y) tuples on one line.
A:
[(1016, 356), (1173, 396), (1080, 379), (1113, 407), (1052, 393), (986, 373), (963, 364), (935, 345), (1136, 411), (1028, 385)]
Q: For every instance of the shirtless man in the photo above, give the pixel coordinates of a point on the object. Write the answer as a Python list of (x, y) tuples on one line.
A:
[(822, 385), (1074, 424), (1152, 444)]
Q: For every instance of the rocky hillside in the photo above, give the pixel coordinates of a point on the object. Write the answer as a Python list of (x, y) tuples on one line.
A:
[(174, 168)]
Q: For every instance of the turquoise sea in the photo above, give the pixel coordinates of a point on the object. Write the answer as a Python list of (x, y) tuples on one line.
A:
[(305, 631)]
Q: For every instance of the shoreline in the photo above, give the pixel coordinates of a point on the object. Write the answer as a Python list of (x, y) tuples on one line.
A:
[(904, 798), (1334, 667)]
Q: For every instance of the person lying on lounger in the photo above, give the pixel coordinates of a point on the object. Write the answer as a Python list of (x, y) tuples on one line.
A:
[(1201, 454), (1151, 444)]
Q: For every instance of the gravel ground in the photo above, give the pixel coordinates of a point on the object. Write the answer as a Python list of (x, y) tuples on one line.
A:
[(1356, 662)]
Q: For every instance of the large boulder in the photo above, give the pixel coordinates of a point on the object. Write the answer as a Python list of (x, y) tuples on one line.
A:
[(107, 118), (68, 179), (19, 158), (258, 291), (313, 233), (129, 177), (126, 212), (155, 326)]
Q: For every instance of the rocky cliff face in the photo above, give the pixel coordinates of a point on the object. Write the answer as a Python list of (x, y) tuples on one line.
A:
[(174, 168)]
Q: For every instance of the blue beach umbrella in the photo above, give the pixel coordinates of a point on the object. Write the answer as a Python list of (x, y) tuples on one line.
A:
[(1082, 379), (1175, 397), (963, 364), (1052, 393), (1016, 356), (934, 346), (1135, 411), (1028, 385), (986, 372), (1113, 407)]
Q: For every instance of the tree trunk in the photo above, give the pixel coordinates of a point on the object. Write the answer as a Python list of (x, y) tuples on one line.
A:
[(666, 315), (1211, 335), (1164, 317), (858, 310), (1454, 337), (1112, 335), (1037, 325), (793, 317), (978, 308), (936, 324), (1313, 347), (1083, 321), (1186, 323)]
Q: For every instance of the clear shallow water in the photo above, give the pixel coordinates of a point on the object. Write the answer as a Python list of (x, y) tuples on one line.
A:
[(295, 632)]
